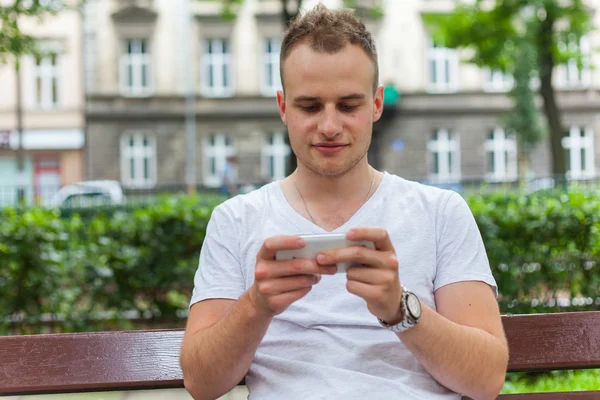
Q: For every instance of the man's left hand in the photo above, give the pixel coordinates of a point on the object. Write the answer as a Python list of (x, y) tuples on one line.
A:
[(378, 282)]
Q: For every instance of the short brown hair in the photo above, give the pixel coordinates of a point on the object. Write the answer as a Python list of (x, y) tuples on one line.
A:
[(328, 31)]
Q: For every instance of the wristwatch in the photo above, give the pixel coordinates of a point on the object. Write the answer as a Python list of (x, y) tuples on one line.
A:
[(411, 308)]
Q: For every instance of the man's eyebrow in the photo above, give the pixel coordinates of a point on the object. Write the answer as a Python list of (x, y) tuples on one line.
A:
[(354, 96), (300, 99)]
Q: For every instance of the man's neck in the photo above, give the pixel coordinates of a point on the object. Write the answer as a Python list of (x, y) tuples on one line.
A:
[(352, 185)]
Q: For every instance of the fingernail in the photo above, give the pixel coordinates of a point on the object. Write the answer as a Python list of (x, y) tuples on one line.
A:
[(301, 243), (350, 235), (321, 258), (318, 278)]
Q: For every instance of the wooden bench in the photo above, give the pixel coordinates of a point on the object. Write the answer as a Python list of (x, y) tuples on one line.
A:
[(61, 363)]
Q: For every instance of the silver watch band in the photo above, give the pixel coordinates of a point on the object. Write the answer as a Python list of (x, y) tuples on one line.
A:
[(408, 321)]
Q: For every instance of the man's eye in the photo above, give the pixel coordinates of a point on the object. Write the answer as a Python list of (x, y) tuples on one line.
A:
[(348, 108), (310, 108)]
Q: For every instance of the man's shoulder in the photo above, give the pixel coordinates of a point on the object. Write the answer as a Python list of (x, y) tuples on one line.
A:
[(426, 192), (245, 203)]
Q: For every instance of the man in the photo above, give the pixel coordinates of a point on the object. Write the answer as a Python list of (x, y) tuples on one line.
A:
[(229, 187), (420, 321)]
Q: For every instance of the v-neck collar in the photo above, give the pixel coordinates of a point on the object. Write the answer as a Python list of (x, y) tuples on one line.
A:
[(305, 226)]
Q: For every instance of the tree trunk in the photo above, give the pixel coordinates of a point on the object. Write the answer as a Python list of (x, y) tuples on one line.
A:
[(546, 66), (291, 9), (523, 166)]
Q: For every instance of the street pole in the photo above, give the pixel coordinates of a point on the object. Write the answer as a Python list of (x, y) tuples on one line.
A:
[(190, 102), (20, 156)]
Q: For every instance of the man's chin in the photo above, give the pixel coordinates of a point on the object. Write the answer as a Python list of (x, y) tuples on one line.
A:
[(329, 169)]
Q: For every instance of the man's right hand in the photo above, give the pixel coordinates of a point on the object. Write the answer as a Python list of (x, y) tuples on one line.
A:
[(277, 284)]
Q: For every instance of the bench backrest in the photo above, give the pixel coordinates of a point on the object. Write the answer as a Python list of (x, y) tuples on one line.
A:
[(61, 363)]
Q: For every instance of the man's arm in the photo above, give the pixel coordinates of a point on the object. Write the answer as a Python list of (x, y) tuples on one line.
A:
[(222, 335), (219, 345), (462, 345)]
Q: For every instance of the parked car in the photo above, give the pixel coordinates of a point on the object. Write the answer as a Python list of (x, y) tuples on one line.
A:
[(89, 193)]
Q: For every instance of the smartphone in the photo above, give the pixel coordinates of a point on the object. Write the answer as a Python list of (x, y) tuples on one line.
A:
[(321, 242)]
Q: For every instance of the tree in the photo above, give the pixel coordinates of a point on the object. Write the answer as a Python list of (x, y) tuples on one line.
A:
[(493, 31), (524, 117), (14, 45)]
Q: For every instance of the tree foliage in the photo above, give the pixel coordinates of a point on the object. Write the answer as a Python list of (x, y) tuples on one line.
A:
[(491, 31), (14, 42)]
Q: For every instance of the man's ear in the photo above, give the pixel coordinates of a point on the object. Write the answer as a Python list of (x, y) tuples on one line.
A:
[(281, 104), (378, 106)]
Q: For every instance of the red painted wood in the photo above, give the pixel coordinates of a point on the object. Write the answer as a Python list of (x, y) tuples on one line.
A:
[(542, 342), (90, 361), (129, 360)]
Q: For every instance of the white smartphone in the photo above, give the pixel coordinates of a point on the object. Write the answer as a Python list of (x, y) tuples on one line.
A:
[(322, 242)]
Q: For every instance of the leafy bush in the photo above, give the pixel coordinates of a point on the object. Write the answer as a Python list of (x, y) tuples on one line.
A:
[(555, 381), (122, 268), (543, 250), (69, 274)]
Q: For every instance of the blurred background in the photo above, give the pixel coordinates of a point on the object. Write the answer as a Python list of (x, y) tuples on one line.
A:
[(124, 122)]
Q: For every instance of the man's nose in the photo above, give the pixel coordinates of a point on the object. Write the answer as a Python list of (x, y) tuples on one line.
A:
[(330, 124)]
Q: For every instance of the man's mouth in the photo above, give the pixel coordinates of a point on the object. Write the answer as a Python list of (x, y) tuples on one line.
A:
[(329, 148)]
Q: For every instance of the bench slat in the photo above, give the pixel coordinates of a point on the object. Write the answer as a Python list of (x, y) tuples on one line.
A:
[(79, 362), (128, 360), (590, 395), (542, 342)]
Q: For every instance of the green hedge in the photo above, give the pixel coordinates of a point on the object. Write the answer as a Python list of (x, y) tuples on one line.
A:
[(87, 272), (72, 273), (543, 250)]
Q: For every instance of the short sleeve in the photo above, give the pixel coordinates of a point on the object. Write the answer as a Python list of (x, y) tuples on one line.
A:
[(461, 254), (219, 273)]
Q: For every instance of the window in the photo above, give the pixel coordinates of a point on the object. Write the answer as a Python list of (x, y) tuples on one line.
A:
[(138, 160), (501, 151), (216, 69), (444, 151), (217, 147), (275, 153), (579, 146), (136, 68), (443, 69), (569, 75), (47, 81), (271, 81), (497, 81)]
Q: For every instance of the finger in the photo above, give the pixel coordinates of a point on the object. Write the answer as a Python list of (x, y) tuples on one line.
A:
[(366, 291), (277, 286), (377, 235), (372, 276), (360, 255), (276, 243), (283, 300), (300, 266)]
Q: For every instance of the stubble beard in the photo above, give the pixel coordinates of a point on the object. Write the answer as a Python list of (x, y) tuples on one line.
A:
[(342, 169)]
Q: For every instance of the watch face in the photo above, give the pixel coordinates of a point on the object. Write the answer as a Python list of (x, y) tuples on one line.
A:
[(413, 305)]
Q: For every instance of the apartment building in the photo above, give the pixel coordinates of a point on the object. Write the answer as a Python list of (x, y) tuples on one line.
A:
[(143, 57), (53, 137)]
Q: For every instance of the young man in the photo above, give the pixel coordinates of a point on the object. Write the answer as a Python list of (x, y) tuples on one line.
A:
[(420, 321)]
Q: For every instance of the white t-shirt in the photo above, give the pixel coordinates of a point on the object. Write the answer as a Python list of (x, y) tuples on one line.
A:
[(328, 345)]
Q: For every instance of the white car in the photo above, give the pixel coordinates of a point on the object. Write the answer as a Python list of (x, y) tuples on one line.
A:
[(89, 193)]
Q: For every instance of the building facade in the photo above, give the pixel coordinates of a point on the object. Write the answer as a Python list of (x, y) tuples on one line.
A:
[(53, 137), (170, 84), (445, 127)]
